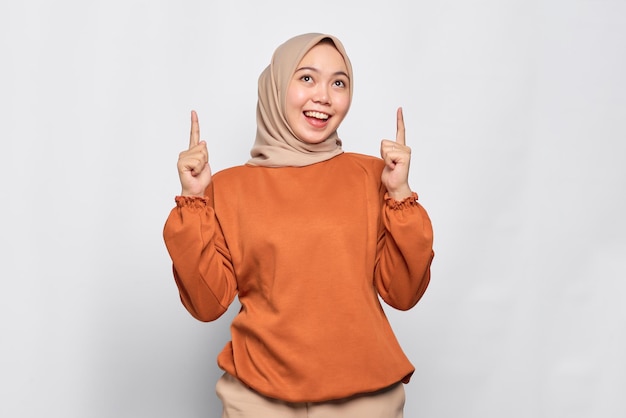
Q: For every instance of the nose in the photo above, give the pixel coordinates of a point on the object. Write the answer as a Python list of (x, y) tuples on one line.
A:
[(322, 95)]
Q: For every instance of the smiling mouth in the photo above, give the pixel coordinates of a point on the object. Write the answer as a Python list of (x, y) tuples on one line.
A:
[(316, 115)]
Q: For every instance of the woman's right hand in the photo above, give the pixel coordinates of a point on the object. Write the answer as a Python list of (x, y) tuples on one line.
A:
[(193, 164)]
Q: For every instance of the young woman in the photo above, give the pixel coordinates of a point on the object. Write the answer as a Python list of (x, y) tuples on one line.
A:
[(308, 237)]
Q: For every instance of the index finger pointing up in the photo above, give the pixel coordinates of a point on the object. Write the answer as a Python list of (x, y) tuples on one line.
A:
[(400, 139), (194, 136)]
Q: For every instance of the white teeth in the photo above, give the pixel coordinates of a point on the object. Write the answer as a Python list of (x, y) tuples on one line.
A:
[(317, 115)]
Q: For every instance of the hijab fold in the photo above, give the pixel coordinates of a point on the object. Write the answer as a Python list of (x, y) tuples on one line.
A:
[(276, 145)]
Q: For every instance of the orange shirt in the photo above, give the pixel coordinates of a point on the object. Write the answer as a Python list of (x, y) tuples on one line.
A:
[(307, 250)]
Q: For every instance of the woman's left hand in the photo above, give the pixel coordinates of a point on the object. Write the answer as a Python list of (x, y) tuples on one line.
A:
[(397, 157)]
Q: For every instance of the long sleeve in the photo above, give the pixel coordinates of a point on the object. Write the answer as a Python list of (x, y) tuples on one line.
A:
[(201, 262), (308, 251), (405, 252)]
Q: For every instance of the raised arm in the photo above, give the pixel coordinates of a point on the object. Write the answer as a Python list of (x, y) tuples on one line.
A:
[(405, 246), (201, 262)]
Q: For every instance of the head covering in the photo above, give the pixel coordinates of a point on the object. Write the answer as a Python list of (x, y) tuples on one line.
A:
[(276, 145)]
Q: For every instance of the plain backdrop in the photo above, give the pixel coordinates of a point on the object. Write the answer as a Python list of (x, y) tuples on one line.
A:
[(516, 114)]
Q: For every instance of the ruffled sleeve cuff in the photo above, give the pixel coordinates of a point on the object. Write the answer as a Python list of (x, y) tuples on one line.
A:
[(405, 203), (192, 202)]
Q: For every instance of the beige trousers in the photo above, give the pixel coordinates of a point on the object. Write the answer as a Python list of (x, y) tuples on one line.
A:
[(239, 401)]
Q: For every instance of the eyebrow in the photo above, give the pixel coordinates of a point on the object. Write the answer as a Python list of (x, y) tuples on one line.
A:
[(343, 73)]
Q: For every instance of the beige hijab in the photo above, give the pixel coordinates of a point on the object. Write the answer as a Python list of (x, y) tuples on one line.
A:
[(275, 144)]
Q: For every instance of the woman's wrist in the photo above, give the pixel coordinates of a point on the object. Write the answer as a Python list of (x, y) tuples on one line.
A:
[(400, 194)]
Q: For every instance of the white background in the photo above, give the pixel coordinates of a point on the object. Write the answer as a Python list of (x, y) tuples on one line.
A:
[(516, 114)]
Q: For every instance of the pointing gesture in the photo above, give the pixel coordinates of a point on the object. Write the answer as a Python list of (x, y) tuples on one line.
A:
[(397, 157), (193, 164)]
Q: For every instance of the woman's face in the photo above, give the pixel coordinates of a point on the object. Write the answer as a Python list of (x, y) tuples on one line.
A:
[(318, 96)]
